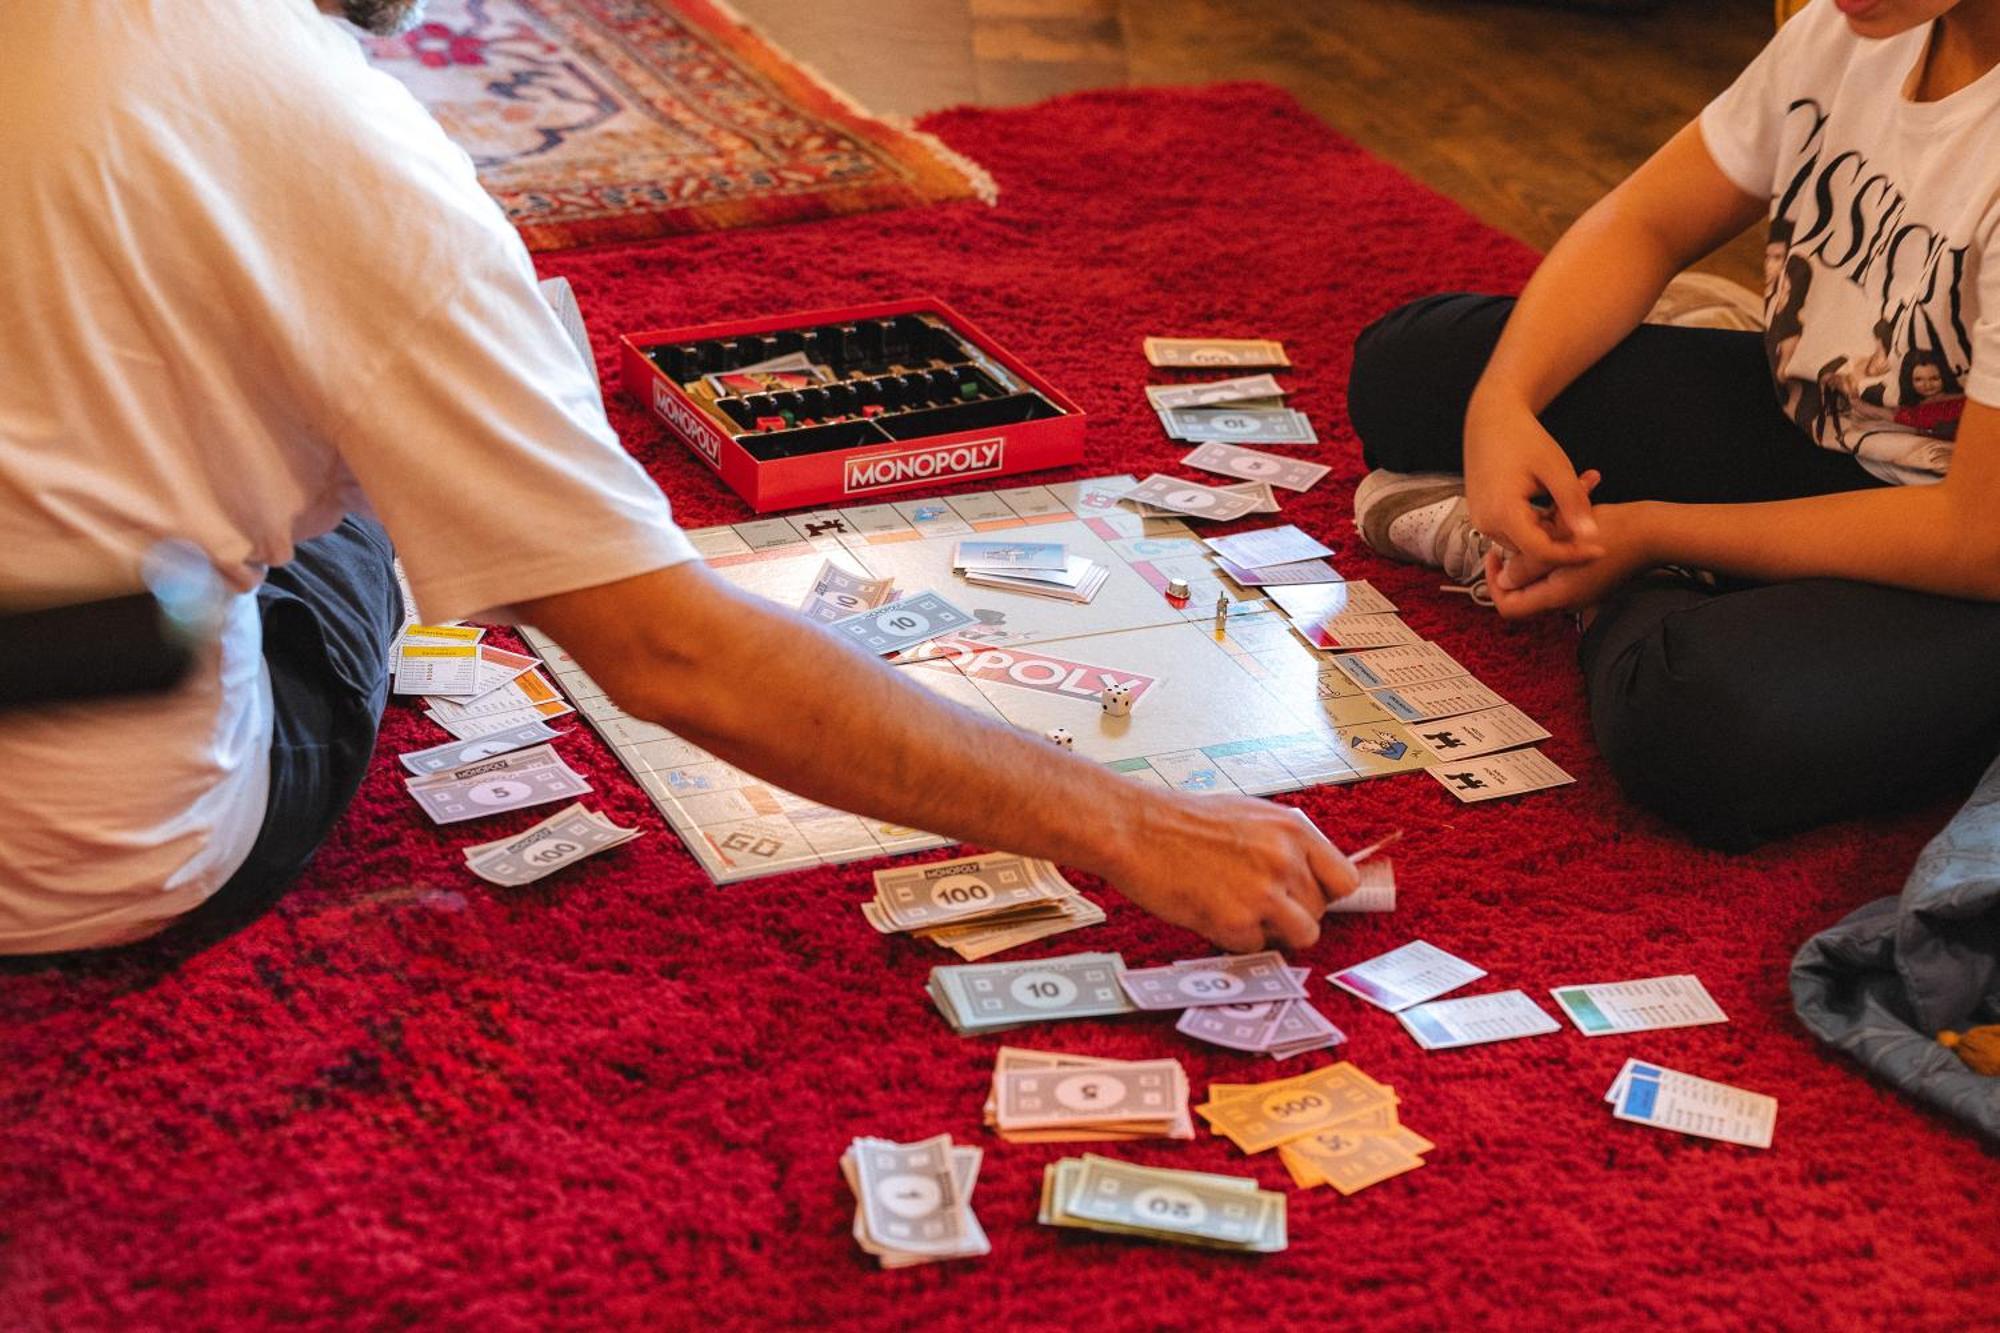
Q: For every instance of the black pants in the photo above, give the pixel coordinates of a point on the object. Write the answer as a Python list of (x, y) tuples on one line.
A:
[(1739, 713), (330, 615)]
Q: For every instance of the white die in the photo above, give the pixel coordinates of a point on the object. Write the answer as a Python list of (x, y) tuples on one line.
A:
[(1060, 737), (1116, 700)]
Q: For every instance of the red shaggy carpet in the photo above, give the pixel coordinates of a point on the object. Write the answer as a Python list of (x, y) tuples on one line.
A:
[(617, 1098)]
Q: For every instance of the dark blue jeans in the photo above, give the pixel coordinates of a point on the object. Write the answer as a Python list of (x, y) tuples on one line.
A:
[(1741, 712), (330, 616)]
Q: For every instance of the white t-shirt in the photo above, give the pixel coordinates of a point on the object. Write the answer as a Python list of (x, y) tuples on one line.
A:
[(246, 286), (1882, 280)]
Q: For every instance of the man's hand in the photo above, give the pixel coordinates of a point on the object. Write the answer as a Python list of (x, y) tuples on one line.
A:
[(760, 689), (1523, 586), (1511, 463), (1242, 872)]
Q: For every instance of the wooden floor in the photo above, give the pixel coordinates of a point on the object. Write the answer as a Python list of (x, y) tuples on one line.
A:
[(1523, 113)]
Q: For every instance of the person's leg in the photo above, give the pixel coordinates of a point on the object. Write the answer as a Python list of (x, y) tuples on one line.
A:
[(1669, 413), (1739, 715), (1744, 715), (330, 616)]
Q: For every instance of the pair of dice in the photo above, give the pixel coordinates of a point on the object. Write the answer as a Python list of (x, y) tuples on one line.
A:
[(1115, 700)]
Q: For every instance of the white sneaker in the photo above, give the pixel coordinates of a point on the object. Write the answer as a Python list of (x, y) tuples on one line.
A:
[(1420, 518)]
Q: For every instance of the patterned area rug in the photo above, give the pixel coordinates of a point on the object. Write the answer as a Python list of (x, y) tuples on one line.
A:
[(622, 120)]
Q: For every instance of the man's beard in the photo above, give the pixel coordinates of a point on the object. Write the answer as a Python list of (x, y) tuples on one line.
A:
[(384, 18)]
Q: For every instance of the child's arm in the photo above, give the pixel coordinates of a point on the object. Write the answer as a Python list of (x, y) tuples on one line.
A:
[(1942, 539), (1592, 289)]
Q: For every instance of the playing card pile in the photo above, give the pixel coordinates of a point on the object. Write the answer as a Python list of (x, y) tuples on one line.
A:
[(1374, 890), (913, 1201), (1188, 1207), (1333, 1126), (988, 997), (978, 906), (491, 786), (1039, 569), (517, 701), (1048, 1097), (1245, 1002), (836, 594), (564, 838), (1649, 1095), (435, 659)]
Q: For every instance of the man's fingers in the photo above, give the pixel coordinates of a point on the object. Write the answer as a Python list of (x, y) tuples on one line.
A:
[(1239, 939), (1332, 872), (1290, 926)]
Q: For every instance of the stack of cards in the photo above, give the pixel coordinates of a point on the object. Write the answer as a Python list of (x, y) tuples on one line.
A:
[(1650, 1095), (837, 593), (1282, 556), (493, 786), (778, 374), (1048, 1097), (564, 838), (1333, 1126), (1374, 891), (527, 697), (1189, 1207), (436, 659), (1407, 982), (913, 1201), (1040, 569), (979, 905), (989, 997)]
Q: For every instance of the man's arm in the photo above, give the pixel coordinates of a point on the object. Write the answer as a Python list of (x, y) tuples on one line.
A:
[(1942, 538), (779, 698)]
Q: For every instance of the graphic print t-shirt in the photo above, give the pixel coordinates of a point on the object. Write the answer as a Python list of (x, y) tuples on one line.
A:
[(1881, 277)]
